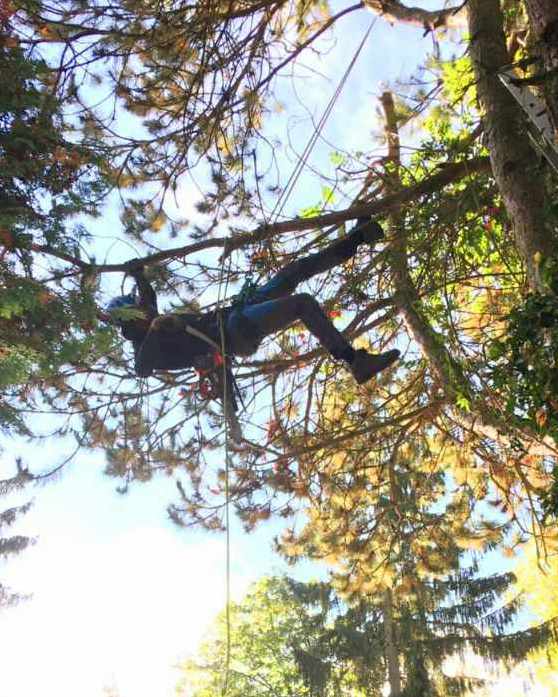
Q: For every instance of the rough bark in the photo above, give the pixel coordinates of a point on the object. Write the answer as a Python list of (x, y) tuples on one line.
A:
[(392, 658), (430, 20), (514, 163), (543, 18), (450, 377)]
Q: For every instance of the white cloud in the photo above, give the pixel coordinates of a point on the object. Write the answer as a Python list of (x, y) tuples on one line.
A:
[(119, 613)]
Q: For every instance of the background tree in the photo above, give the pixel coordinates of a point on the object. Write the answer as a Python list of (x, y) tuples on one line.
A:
[(48, 318), (380, 524), (10, 546), (536, 580), (277, 648), (297, 638)]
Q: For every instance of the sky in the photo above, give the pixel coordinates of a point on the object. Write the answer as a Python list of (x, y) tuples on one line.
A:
[(120, 593)]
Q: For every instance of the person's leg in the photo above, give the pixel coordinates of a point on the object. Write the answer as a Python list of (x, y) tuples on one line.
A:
[(286, 280), (246, 328)]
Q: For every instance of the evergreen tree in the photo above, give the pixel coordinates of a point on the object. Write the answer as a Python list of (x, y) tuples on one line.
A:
[(10, 546), (46, 180), (278, 648), (405, 541), (537, 580), (291, 638)]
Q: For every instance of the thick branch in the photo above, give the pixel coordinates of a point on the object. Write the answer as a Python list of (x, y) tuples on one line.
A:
[(431, 344), (393, 11), (448, 174), (448, 372)]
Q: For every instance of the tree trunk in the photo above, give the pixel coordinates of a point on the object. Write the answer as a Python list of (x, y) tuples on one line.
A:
[(514, 163), (543, 15), (392, 657), (543, 18), (481, 420)]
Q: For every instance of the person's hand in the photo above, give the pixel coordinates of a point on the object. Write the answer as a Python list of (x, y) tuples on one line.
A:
[(166, 323), (136, 268)]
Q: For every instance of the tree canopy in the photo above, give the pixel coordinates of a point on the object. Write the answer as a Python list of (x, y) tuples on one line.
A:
[(454, 448)]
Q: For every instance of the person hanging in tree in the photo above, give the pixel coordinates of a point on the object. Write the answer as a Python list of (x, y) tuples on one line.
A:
[(184, 340)]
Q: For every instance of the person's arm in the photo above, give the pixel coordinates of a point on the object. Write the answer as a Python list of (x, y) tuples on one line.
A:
[(147, 296), (142, 367)]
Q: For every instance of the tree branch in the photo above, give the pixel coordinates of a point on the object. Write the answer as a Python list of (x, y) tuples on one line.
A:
[(449, 173), (450, 376), (431, 20)]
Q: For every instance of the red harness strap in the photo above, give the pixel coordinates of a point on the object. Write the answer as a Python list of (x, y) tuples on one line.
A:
[(206, 386)]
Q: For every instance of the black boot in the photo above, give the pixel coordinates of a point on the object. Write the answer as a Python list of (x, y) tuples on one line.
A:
[(365, 366), (368, 230)]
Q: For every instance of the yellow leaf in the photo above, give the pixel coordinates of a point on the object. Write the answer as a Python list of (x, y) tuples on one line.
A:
[(158, 221), (541, 417)]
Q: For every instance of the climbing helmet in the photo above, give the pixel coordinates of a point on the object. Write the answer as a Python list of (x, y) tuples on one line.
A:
[(122, 301)]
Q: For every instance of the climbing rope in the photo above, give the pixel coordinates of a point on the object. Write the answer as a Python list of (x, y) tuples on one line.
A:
[(303, 159), (221, 294), (241, 299)]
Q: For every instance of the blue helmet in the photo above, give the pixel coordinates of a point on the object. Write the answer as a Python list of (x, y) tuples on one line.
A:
[(122, 301)]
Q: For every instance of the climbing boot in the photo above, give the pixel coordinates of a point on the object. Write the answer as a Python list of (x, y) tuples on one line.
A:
[(369, 230), (365, 366)]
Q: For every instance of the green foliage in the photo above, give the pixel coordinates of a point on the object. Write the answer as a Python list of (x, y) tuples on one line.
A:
[(44, 331), (16, 365), (458, 80), (45, 179), (300, 638), (525, 362), (537, 580), (278, 646), (524, 365), (125, 314)]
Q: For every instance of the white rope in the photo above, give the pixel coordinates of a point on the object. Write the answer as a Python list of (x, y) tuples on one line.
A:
[(297, 171), (223, 281), (226, 416)]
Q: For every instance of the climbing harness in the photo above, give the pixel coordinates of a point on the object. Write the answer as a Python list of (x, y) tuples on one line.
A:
[(210, 383), (246, 294), (541, 131)]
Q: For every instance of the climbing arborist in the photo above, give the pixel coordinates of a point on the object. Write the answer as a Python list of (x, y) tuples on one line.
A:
[(182, 340)]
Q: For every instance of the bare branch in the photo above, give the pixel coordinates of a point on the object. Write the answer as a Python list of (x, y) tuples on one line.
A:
[(430, 20)]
